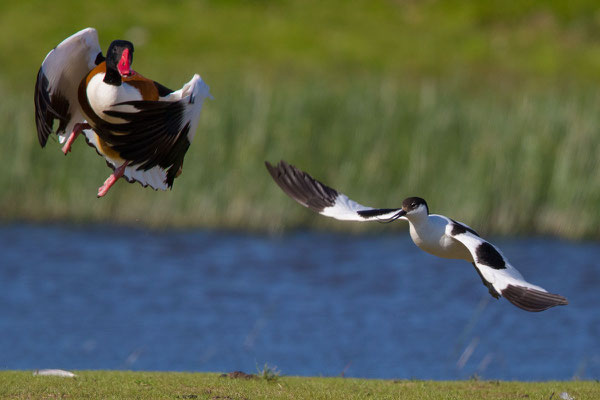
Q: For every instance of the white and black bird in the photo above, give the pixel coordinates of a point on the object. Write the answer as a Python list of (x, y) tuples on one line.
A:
[(140, 127), (435, 234)]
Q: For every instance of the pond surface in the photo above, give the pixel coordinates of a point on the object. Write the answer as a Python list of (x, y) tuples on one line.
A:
[(307, 303)]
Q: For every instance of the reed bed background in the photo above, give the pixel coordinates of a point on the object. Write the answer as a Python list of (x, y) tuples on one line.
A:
[(488, 111)]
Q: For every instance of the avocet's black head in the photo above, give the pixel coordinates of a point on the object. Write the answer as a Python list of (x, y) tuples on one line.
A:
[(119, 58), (413, 203), (413, 206)]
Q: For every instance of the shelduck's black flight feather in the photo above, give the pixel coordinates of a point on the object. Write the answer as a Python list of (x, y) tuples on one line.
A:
[(149, 135)]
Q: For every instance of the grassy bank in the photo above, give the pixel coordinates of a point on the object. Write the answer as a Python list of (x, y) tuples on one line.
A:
[(165, 385), (487, 111)]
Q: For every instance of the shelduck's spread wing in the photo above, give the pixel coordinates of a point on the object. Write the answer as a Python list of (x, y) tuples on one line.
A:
[(58, 80), (501, 277), (155, 135), (319, 197)]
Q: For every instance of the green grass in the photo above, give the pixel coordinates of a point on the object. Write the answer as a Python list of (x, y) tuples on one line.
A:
[(169, 385), (486, 109)]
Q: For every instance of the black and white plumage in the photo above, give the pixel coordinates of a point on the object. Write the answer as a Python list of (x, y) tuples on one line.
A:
[(435, 234), (140, 127)]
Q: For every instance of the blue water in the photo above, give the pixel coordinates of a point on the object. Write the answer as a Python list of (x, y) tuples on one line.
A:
[(307, 303)]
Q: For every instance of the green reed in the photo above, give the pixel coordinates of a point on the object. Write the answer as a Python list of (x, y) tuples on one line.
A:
[(524, 163)]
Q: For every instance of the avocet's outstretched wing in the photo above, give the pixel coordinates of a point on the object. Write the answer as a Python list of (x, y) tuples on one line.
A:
[(58, 80), (319, 197), (500, 277)]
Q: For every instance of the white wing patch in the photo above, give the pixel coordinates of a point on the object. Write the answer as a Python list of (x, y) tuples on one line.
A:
[(492, 264), (346, 209), (65, 66), (195, 92)]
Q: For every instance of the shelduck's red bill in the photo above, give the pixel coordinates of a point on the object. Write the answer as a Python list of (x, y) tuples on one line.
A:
[(124, 65)]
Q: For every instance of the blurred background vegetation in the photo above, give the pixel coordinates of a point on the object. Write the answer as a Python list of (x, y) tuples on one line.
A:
[(489, 110)]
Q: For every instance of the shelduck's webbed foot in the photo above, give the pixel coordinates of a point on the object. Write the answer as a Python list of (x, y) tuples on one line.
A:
[(77, 129), (114, 177)]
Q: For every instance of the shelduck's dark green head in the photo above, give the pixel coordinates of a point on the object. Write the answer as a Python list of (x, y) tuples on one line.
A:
[(119, 58)]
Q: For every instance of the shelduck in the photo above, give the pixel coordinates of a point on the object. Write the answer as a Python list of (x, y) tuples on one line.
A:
[(140, 127)]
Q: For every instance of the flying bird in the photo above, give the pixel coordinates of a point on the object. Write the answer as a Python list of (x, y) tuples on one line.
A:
[(435, 234), (140, 127)]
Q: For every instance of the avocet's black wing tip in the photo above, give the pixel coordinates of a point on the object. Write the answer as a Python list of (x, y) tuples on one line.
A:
[(532, 300), (302, 187)]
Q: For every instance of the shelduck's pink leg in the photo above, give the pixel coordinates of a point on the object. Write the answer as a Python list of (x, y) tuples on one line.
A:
[(118, 172), (77, 129)]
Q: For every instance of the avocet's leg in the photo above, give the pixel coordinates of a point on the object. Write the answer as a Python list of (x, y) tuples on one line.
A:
[(118, 172), (77, 129)]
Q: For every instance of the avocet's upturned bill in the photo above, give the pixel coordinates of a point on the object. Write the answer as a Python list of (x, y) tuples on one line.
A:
[(435, 234)]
